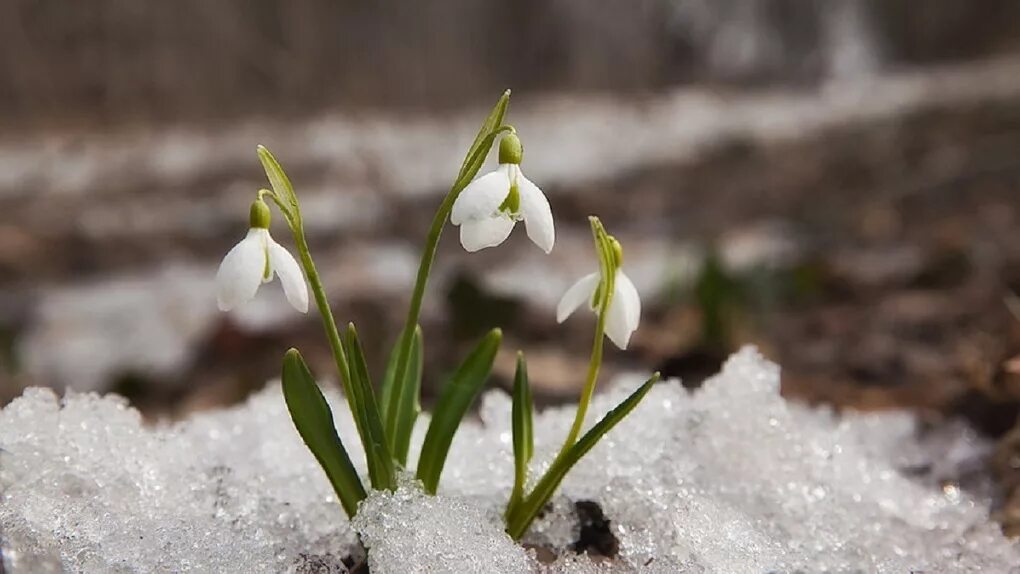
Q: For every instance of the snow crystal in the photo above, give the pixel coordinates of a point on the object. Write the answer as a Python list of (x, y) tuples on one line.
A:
[(410, 532), (88, 487), (728, 478)]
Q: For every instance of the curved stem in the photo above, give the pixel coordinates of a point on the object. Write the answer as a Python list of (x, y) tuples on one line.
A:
[(328, 322), (424, 269), (421, 281), (589, 385), (607, 285)]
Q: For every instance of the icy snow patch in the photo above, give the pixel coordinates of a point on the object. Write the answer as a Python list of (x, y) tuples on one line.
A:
[(730, 478), (412, 533)]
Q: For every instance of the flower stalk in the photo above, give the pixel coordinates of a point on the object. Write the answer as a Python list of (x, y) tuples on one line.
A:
[(603, 297), (363, 406), (491, 128), (318, 292), (608, 297)]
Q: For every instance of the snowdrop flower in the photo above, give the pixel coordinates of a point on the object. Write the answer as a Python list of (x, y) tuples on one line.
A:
[(253, 261), (489, 207), (624, 312)]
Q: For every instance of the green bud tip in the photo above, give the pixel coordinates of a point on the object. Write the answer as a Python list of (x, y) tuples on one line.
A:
[(617, 250), (510, 149), (512, 203), (259, 214)]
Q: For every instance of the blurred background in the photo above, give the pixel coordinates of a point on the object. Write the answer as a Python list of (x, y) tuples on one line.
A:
[(835, 181)]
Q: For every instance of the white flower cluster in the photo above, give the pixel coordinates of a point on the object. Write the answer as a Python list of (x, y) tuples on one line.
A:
[(486, 211)]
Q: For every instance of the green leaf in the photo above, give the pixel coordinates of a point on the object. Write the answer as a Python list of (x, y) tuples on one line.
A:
[(366, 413), (454, 401), (519, 521), (524, 440), (406, 404), (387, 386), (493, 122), (314, 421), (281, 187), (400, 404)]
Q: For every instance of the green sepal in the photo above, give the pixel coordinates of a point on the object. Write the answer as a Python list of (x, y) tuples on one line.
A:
[(472, 163), (366, 413), (524, 514), (523, 437), (282, 188), (457, 395), (314, 421), (606, 246)]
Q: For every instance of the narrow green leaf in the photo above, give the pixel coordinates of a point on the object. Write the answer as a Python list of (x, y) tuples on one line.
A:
[(387, 386), (314, 421), (519, 521), (366, 410), (281, 186), (408, 403), (524, 441), (492, 122), (400, 403), (454, 400)]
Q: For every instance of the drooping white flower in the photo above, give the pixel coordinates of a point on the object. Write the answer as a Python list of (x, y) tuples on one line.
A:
[(489, 207), (254, 261), (624, 312)]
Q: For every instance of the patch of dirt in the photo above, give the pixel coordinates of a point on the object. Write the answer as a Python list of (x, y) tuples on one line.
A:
[(596, 538)]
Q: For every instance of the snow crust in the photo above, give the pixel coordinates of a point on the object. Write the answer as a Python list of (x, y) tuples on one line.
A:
[(729, 478)]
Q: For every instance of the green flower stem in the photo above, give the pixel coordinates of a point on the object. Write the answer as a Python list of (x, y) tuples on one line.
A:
[(589, 385), (428, 256), (606, 287), (328, 322)]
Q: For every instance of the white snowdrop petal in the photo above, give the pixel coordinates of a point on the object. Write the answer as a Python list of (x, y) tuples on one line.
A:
[(617, 328), (241, 271), (482, 197), (538, 218), (289, 272), (627, 296), (578, 294), (482, 233)]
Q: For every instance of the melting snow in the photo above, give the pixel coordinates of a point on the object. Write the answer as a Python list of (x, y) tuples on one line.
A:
[(729, 478)]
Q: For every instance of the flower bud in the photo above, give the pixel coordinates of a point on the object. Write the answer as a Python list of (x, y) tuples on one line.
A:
[(510, 149), (259, 215)]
